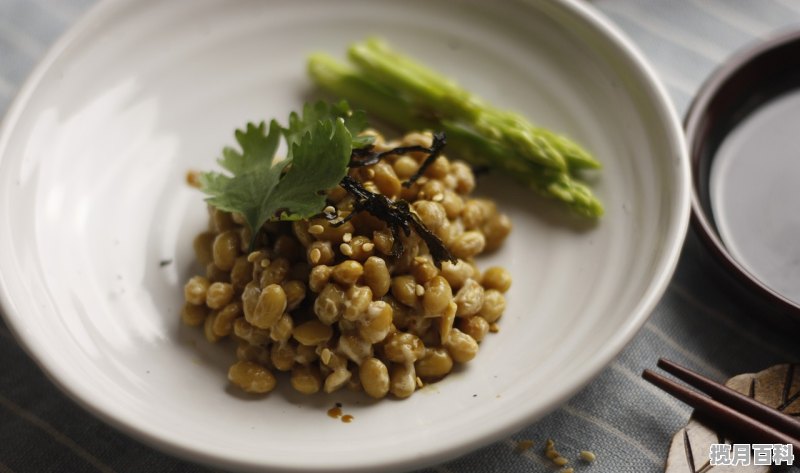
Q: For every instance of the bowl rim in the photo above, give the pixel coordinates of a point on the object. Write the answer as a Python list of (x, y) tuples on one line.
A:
[(679, 211), (697, 132)]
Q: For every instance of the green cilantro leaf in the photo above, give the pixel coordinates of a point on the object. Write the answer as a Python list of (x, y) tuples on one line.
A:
[(319, 162), (258, 148), (320, 145), (355, 122), (254, 176)]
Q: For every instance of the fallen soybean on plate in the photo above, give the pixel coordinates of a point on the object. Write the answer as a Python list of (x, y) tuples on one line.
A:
[(98, 220)]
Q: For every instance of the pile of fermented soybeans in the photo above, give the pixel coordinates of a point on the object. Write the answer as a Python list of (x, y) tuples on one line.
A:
[(330, 305)]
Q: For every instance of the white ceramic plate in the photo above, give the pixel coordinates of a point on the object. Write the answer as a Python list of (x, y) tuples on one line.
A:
[(93, 155)]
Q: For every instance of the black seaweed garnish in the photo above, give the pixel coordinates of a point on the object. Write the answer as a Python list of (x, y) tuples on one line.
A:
[(367, 157), (439, 141), (397, 215)]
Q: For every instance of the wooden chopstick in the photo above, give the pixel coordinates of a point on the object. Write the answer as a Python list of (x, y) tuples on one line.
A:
[(739, 424), (744, 404)]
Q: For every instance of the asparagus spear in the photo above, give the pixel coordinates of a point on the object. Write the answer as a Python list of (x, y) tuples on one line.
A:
[(345, 82), (437, 103), (548, 182), (428, 88)]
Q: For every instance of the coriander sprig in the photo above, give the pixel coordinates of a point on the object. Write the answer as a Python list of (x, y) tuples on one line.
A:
[(261, 189)]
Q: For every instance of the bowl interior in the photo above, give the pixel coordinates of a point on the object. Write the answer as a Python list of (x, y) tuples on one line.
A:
[(92, 189), (740, 158)]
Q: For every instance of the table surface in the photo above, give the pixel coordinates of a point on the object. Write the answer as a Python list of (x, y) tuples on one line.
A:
[(624, 420)]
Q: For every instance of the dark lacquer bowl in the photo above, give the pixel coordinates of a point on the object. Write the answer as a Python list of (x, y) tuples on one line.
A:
[(743, 133)]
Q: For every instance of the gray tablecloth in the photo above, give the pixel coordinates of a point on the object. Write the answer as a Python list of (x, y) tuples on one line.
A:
[(627, 422)]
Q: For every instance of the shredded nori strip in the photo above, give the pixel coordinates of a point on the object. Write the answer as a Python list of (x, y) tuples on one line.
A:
[(367, 157), (439, 141), (397, 215)]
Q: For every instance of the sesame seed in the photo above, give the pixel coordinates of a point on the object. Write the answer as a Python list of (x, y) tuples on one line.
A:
[(347, 237), (494, 328), (346, 249), (419, 290), (329, 209), (325, 356), (315, 255), (560, 461), (316, 229), (368, 246), (419, 382), (587, 456), (438, 197)]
